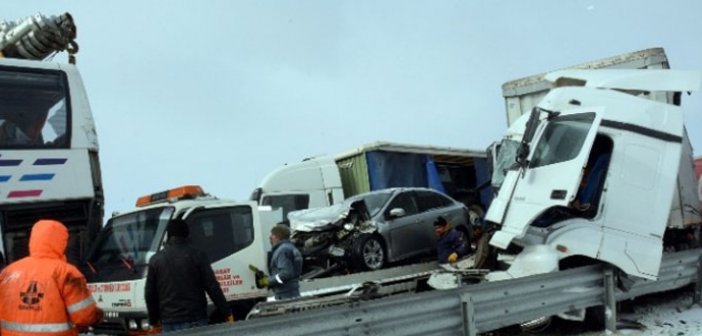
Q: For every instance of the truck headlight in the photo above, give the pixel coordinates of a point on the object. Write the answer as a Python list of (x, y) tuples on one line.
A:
[(132, 324), (145, 325)]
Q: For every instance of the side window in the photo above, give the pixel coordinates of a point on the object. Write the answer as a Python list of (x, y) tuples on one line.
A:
[(221, 232), (430, 200), (404, 201), (444, 200), (562, 139)]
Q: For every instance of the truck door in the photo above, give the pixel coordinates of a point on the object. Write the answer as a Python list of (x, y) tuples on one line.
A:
[(229, 237), (553, 172), (641, 185)]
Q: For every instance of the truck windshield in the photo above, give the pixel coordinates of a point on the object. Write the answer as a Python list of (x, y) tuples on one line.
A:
[(287, 202), (127, 241), (33, 109), (506, 158), (562, 139)]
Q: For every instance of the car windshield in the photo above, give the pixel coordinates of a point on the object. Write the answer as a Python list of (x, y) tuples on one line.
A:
[(128, 239), (374, 200)]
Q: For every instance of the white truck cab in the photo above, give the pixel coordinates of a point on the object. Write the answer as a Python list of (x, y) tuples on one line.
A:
[(311, 183), (233, 234), (629, 147)]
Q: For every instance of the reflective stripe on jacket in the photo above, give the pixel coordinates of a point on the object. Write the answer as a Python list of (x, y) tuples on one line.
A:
[(43, 294), (285, 267)]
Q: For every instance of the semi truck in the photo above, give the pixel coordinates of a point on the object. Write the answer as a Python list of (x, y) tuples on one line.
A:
[(327, 180), (596, 166), (49, 164)]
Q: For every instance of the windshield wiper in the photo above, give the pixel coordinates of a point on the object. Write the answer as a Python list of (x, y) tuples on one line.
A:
[(524, 148), (92, 268), (128, 263)]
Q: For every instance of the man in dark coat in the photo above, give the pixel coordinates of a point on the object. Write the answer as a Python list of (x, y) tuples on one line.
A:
[(178, 278), (451, 243)]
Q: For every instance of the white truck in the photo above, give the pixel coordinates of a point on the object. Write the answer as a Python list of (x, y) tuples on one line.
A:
[(233, 234), (328, 180), (598, 168), (49, 165)]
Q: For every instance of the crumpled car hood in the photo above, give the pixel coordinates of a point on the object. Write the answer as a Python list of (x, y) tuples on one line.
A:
[(321, 219)]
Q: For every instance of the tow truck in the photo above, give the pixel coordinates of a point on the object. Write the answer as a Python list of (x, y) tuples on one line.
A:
[(233, 234)]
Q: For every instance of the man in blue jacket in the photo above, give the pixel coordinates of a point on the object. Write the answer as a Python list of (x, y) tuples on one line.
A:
[(285, 266), (451, 243)]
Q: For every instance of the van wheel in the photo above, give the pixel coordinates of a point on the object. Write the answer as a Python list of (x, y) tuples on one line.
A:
[(368, 253)]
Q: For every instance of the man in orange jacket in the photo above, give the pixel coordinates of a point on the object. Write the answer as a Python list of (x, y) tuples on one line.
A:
[(43, 294)]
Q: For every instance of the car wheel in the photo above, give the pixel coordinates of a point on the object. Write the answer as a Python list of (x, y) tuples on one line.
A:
[(368, 253)]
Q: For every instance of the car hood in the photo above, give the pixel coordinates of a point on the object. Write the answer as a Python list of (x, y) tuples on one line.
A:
[(322, 219)]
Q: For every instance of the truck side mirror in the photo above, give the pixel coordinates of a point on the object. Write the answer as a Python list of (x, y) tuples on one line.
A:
[(397, 212)]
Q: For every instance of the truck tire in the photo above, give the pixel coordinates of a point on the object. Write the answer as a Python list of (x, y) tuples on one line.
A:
[(368, 253)]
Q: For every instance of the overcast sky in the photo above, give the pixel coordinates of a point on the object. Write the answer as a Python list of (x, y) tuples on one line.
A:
[(220, 93)]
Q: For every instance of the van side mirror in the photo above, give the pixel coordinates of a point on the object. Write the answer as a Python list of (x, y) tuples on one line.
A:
[(397, 212)]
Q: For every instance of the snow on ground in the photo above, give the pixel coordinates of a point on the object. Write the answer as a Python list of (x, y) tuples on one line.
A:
[(671, 313)]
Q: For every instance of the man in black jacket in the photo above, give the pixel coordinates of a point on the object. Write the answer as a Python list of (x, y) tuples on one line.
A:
[(178, 278)]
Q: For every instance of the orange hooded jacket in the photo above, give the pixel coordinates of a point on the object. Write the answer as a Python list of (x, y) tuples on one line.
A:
[(43, 294)]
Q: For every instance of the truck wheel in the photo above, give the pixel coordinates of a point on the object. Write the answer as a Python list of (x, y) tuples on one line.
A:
[(368, 253)]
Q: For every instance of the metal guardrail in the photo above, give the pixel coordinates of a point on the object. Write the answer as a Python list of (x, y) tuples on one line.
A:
[(470, 309)]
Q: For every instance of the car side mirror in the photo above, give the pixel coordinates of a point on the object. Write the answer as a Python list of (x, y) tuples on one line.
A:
[(397, 212)]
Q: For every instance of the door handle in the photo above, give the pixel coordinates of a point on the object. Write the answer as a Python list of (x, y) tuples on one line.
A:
[(558, 194)]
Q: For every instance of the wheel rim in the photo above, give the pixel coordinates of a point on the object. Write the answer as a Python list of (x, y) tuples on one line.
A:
[(373, 254)]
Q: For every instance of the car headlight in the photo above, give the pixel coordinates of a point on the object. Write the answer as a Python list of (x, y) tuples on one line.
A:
[(336, 251), (349, 227)]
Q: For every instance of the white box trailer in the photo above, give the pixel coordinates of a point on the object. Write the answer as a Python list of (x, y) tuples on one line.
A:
[(521, 95)]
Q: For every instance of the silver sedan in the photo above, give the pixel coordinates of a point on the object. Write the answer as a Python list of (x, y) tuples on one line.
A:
[(372, 229)]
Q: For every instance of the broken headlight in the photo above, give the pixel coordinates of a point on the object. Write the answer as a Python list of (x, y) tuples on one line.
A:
[(336, 251)]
